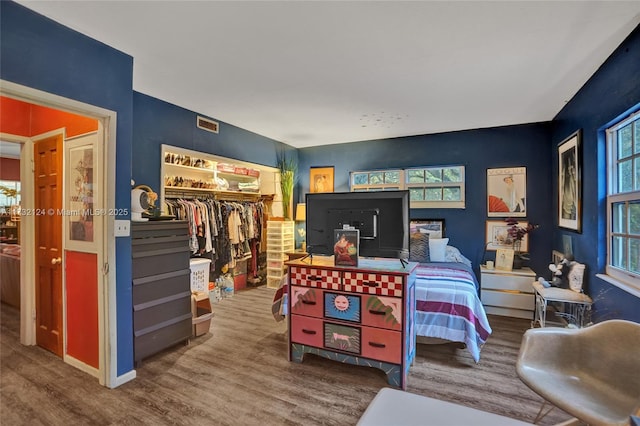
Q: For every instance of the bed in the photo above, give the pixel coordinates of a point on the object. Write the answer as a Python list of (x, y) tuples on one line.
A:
[(448, 306)]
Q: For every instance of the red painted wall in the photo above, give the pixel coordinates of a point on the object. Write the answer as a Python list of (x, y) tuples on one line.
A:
[(24, 119), (9, 169), (15, 117), (82, 306)]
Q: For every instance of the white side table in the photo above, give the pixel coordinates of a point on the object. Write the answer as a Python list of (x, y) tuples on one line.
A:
[(576, 307)]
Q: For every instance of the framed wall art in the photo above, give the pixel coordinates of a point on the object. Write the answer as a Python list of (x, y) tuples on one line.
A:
[(507, 192), (497, 236), (82, 214), (321, 179), (570, 183), (434, 227)]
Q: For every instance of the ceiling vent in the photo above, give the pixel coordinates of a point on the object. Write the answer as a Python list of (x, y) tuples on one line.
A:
[(206, 124)]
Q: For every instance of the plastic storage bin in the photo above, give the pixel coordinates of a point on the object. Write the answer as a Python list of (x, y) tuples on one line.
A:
[(199, 274), (280, 241), (201, 313)]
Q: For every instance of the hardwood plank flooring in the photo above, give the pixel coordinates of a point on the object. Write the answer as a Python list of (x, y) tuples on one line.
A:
[(238, 374)]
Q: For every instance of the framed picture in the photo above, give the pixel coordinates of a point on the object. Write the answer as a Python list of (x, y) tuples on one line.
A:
[(570, 183), (346, 245), (81, 212), (556, 257), (504, 259), (497, 236), (507, 192), (321, 179), (433, 227)]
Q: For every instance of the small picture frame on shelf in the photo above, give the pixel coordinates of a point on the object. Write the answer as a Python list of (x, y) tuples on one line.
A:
[(504, 259), (345, 248)]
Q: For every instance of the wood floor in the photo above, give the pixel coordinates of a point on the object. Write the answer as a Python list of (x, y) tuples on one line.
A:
[(238, 374)]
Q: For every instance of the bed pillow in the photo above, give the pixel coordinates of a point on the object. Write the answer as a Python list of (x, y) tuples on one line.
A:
[(453, 255), (438, 249), (419, 248)]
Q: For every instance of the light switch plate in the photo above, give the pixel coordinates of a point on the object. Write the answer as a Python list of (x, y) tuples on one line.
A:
[(122, 228)]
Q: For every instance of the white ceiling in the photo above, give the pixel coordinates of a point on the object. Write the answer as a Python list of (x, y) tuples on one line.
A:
[(313, 73)]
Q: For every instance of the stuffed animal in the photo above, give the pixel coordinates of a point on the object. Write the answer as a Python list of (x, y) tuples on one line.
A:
[(560, 272)]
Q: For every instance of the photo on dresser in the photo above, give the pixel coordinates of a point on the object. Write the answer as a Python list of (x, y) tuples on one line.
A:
[(345, 248), (504, 259)]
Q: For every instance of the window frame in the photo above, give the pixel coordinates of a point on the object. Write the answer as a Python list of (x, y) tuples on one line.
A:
[(614, 197), (404, 184)]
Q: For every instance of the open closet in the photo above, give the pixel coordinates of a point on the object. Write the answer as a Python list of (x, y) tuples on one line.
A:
[(227, 204)]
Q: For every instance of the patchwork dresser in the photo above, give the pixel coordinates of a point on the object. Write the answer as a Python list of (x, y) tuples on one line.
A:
[(357, 315)]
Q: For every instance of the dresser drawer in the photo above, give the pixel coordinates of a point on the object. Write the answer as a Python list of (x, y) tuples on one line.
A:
[(306, 330), (382, 312), (519, 281), (315, 277), (342, 337), (507, 299), (342, 306), (383, 345), (371, 283), (306, 301)]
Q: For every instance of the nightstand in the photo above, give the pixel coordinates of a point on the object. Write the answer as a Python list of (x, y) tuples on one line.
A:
[(508, 293)]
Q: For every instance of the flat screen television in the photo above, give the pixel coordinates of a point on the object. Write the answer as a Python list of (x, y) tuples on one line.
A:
[(381, 216)]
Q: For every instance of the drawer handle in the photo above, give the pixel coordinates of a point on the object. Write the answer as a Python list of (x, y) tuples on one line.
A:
[(371, 284), (314, 278), (308, 302), (377, 345), (305, 331), (373, 312)]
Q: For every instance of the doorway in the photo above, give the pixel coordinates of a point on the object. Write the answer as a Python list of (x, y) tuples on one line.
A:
[(74, 256)]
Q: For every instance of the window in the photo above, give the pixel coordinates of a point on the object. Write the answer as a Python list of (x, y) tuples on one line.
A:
[(9, 193), (436, 186), (429, 187), (623, 201), (376, 180)]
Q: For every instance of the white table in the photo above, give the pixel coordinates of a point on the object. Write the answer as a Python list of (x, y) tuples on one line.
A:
[(576, 306)]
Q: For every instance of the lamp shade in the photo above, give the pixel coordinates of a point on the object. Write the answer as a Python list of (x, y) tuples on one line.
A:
[(301, 212)]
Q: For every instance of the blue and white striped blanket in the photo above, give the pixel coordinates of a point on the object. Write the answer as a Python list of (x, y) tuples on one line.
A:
[(448, 306)]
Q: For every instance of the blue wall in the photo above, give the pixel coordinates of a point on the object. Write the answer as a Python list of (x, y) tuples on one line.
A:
[(157, 122), (40, 53), (611, 93), (478, 150)]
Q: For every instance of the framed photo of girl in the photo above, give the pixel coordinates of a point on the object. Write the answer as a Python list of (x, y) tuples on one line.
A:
[(570, 182)]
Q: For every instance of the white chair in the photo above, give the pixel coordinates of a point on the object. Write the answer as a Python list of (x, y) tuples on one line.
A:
[(591, 373)]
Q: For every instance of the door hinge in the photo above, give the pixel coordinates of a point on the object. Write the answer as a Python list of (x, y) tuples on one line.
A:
[(33, 166), (33, 314), (105, 268)]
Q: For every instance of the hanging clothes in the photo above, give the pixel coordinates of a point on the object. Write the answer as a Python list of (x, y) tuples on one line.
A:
[(223, 231)]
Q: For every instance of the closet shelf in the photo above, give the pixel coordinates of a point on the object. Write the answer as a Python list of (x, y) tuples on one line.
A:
[(178, 192), (190, 168)]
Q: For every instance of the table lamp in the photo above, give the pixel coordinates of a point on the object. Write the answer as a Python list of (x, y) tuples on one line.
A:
[(301, 216)]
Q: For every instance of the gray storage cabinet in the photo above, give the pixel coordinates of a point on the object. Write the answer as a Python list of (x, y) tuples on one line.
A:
[(161, 286)]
